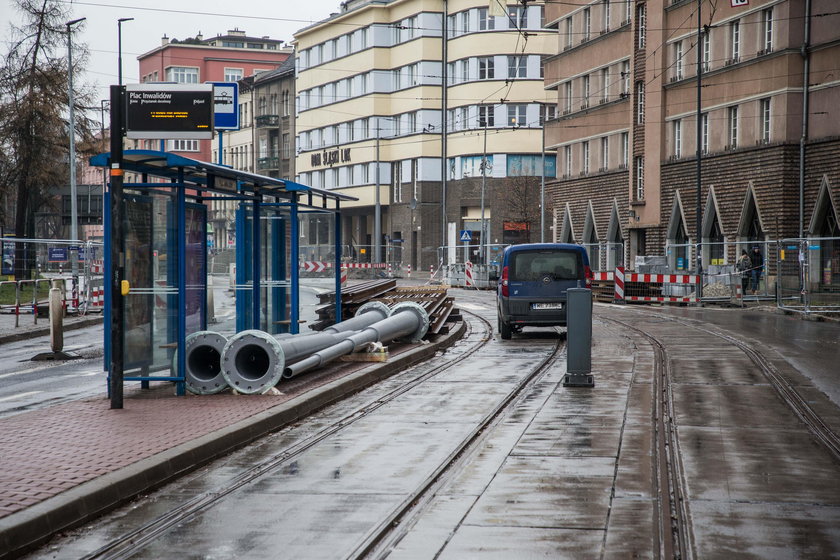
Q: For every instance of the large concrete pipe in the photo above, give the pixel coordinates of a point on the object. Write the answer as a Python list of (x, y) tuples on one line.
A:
[(253, 361), (204, 362), (408, 320)]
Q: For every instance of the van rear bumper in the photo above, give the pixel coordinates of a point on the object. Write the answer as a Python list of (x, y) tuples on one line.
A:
[(520, 313)]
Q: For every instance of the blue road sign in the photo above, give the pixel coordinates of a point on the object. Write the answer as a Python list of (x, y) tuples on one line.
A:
[(225, 105), (57, 254), (466, 235)]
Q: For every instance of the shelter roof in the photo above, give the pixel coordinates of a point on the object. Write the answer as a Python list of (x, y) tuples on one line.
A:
[(208, 175)]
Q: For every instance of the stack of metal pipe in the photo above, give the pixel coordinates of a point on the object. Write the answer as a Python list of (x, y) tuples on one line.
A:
[(254, 361)]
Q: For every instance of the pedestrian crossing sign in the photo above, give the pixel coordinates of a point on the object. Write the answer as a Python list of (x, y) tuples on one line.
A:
[(466, 235)]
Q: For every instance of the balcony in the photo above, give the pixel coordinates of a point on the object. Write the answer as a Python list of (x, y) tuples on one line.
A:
[(267, 120), (268, 162)]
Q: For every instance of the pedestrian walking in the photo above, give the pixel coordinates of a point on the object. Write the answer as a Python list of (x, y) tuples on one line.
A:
[(743, 266), (757, 260)]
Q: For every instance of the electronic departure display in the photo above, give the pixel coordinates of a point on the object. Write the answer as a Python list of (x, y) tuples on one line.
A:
[(169, 111)]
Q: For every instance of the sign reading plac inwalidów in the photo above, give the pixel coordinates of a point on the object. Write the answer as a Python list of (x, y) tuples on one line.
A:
[(169, 111)]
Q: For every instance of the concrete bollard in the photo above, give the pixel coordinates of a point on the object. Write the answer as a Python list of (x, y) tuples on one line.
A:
[(579, 338), (56, 308)]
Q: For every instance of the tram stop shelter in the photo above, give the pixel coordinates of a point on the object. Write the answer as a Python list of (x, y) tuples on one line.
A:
[(165, 202)]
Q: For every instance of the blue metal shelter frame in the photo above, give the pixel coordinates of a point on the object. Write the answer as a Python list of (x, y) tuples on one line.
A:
[(191, 182)]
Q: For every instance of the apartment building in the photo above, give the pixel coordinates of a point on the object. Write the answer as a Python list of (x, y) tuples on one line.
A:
[(227, 57), (624, 77), (423, 109)]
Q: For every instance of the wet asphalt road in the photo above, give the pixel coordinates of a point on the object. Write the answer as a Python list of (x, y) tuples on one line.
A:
[(565, 474)]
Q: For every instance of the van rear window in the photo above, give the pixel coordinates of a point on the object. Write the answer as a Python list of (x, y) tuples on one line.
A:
[(532, 266)]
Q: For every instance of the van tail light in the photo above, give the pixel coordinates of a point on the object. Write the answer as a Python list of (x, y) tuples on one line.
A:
[(504, 282), (587, 273)]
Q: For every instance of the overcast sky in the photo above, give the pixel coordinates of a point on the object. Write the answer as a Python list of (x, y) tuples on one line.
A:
[(177, 19)]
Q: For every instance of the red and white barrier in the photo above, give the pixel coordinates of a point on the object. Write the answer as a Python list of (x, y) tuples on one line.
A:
[(619, 283), (343, 275), (469, 281), (321, 266), (621, 279), (409, 271)]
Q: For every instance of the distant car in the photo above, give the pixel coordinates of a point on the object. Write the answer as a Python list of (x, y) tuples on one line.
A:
[(533, 283)]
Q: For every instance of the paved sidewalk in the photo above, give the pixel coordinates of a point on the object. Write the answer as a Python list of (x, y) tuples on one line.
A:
[(66, 464)]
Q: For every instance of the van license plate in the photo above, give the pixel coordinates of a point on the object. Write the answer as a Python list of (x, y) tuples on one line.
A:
[(546, 306)]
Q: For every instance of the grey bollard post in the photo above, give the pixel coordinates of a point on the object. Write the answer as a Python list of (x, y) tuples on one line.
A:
[(579, 338)]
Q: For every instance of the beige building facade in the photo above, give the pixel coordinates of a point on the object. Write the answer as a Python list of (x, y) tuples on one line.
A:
[(385, 89), (624, 78)]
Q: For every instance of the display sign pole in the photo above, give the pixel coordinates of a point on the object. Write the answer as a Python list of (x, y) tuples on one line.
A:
[(117, 255)]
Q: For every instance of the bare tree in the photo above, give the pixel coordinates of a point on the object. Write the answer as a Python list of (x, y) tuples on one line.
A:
[(521, 202), (34, 143)]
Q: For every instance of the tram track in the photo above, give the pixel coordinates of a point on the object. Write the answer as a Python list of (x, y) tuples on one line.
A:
[(674, 525), (394, 527), (478, 334), (675, 529)]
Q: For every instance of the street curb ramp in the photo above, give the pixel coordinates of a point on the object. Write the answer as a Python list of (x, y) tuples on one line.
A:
[(32, 527)]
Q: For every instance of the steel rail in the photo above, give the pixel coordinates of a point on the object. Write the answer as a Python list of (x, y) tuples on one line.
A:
[(813, 421), (126, 545), (673, 515), (380, 541)]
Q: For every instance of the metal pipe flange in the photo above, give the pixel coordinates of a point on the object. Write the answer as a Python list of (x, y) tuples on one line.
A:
[(252, 362), (422, 316), (203, 352)]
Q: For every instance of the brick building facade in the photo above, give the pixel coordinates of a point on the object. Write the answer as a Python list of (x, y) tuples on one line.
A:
[(625, 78)]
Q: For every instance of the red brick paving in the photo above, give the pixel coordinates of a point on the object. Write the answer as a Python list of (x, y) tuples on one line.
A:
[(49, 451)]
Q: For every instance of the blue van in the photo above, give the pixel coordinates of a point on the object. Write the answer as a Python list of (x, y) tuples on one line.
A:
[(533, 283)]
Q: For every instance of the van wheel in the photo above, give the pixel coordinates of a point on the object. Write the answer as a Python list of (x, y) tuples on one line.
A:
[(504, 330)]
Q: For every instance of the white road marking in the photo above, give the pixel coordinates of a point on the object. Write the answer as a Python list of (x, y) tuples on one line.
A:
[(472, 306), (19, 396)]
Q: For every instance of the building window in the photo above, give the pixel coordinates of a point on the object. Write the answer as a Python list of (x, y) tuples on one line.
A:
[(517, 66), (486, 116), (735, 40), (678, 60), (625, 77), (605, 85), (286, 103), (587, 24), (732, 122), (518, 16), (567, 100), (678, 138), (767, 30), (704, 135), (182, 75), (569, 34), (585, 95), (517, 114), (585, 157), (287, 146), (233, 74), (567, 161), (707, 51), (640, 177), (764, 112), (641, 25), (485, 68), (640, 102), (183, 145), (605, 12), (625, 149), (485, 22), (605, 153), (628, 9)]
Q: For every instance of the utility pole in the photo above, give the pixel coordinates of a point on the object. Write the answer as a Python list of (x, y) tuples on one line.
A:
[(74, 208), (699, 229)]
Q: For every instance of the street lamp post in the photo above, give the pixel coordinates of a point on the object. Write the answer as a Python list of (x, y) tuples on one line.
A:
[(119, 46), (74, 210)]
